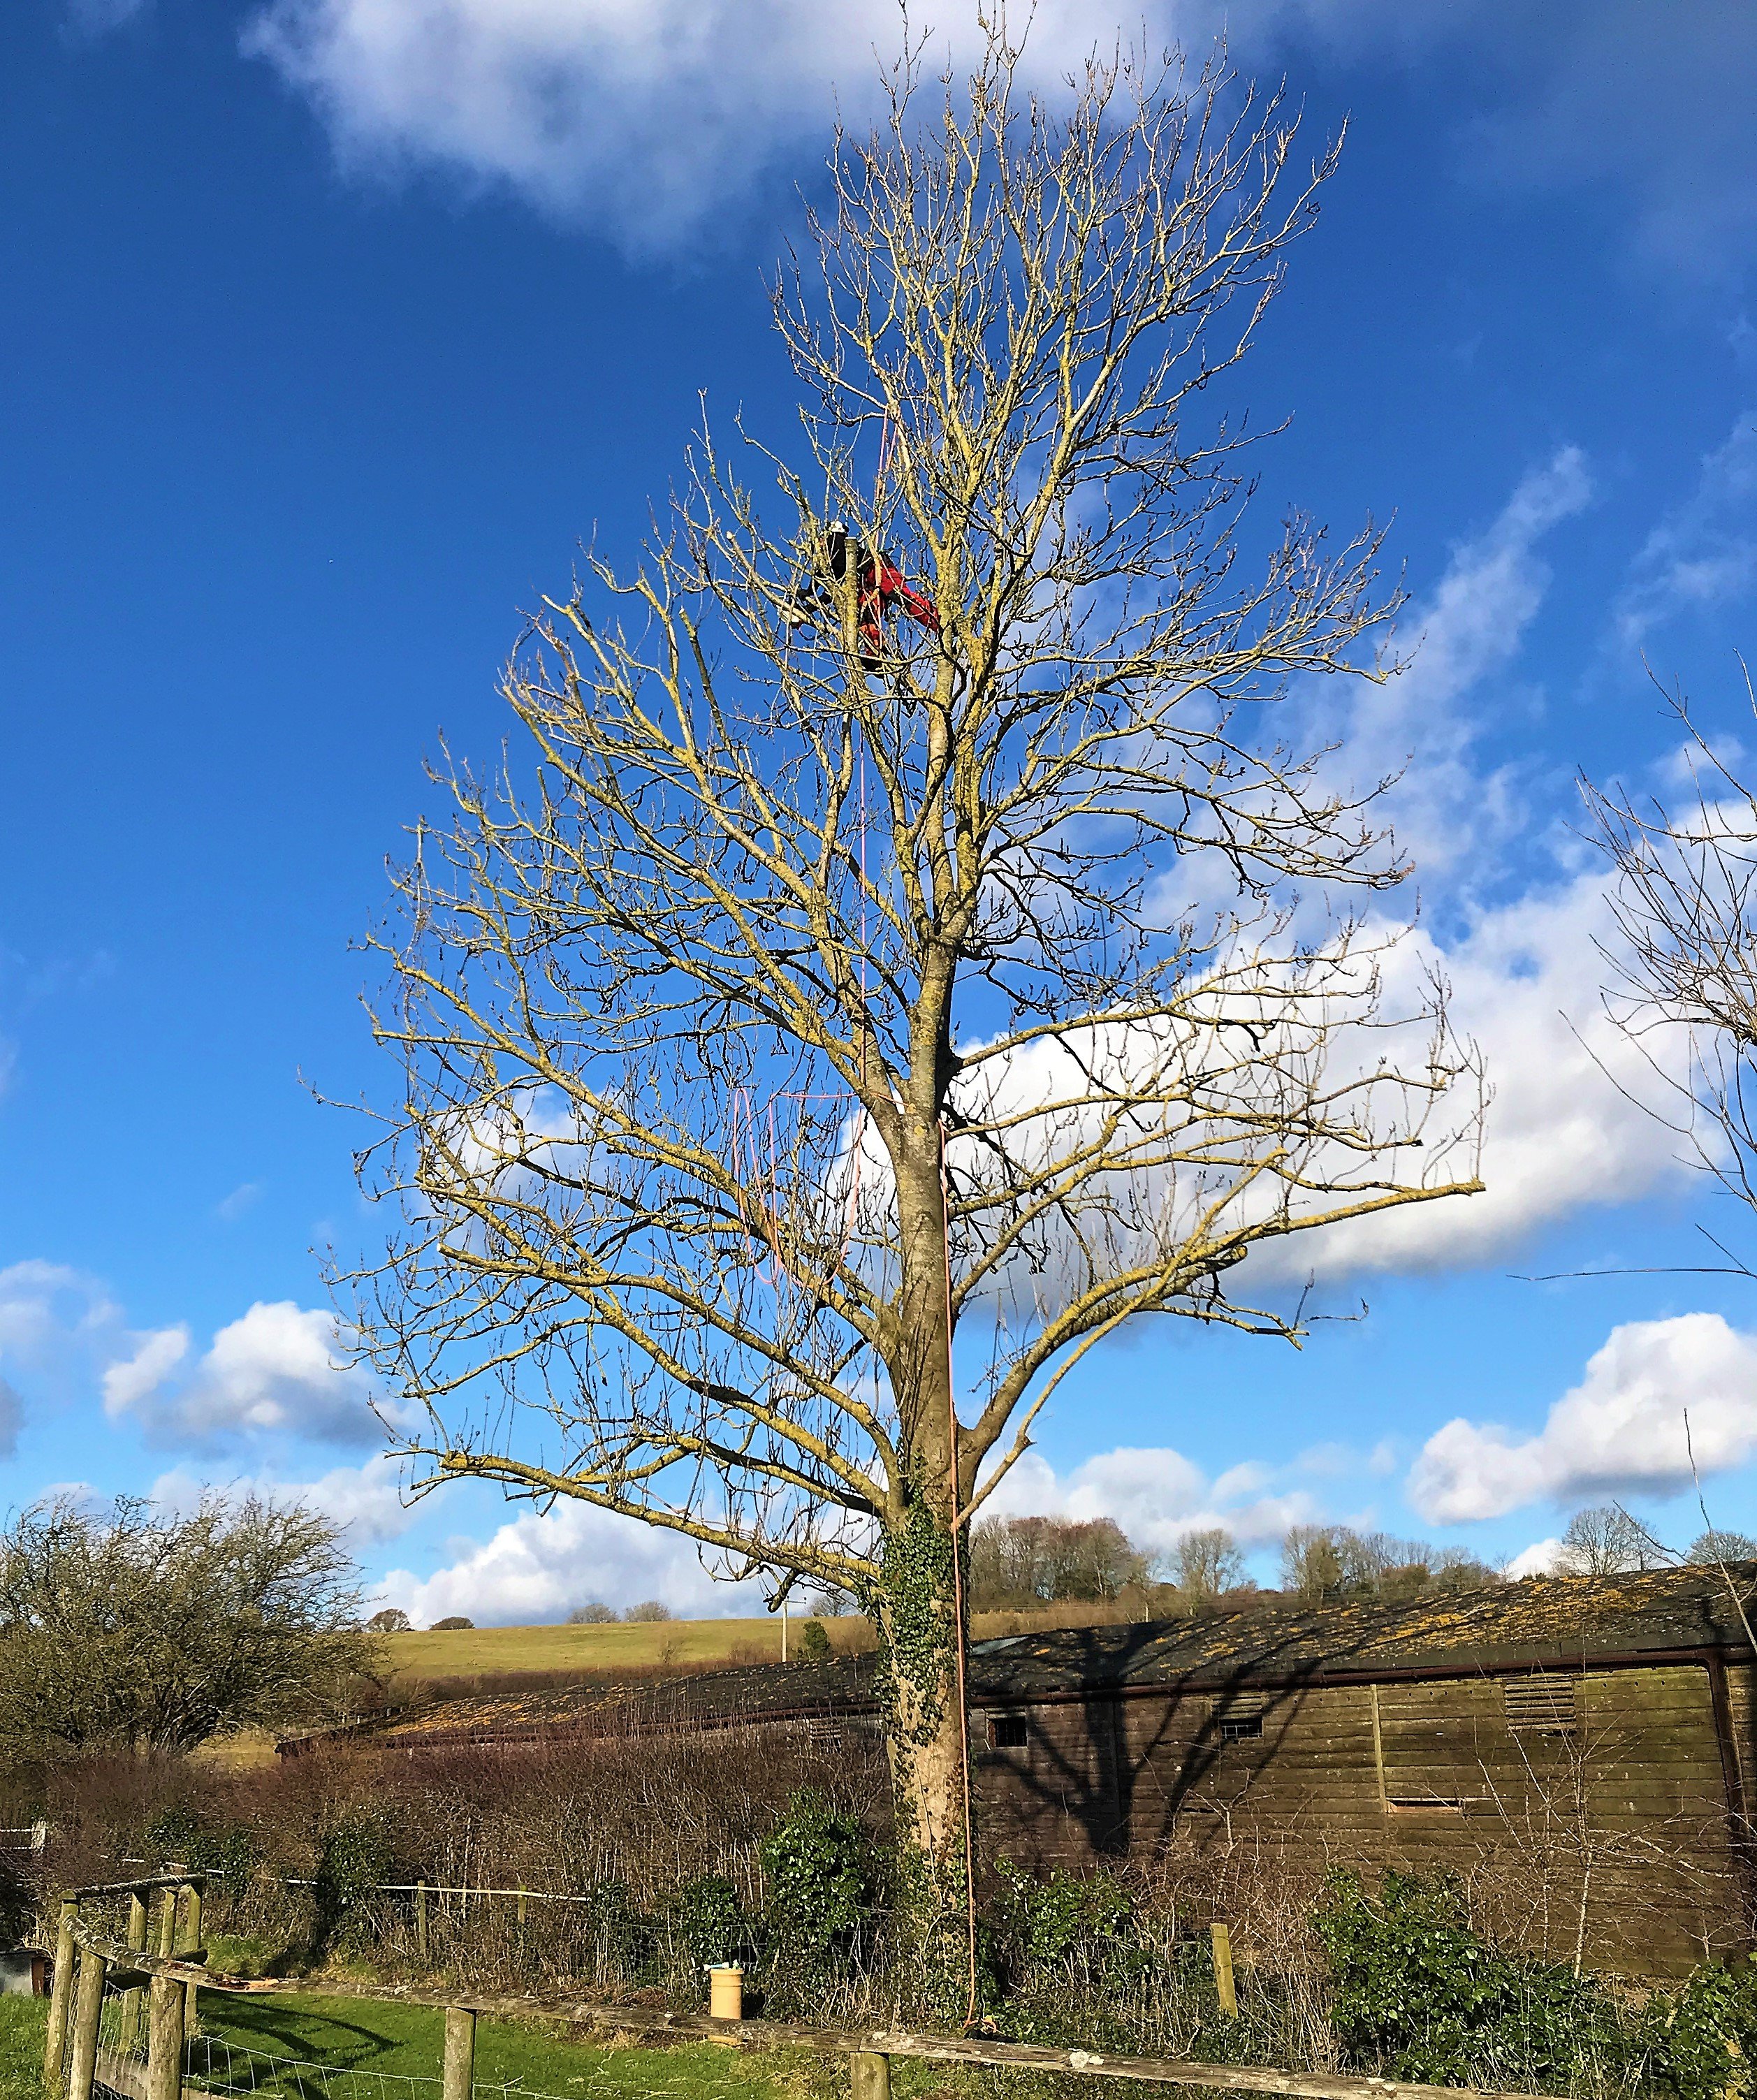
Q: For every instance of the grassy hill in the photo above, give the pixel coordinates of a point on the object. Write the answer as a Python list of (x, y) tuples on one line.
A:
[(421, 1660), (560, 1651)]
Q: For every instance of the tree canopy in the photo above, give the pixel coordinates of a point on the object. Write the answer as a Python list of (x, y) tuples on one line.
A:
[(129, 1628)]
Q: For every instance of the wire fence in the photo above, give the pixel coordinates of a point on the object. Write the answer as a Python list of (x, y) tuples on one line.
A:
[(219, 2065)]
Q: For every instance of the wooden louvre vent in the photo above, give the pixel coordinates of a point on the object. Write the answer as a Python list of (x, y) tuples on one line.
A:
[(1546, 1703), (1239, 1717)]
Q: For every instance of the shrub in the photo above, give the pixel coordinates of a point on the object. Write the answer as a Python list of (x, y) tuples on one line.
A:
[(1069, 1914), (389, 1620), (356, 1857), (591, 1615), (1701, 2040), (711, 1924), (1419, 1992), (814, 1641), (652, 1613), (178, 1837), (453, 1626), (819, 1867)]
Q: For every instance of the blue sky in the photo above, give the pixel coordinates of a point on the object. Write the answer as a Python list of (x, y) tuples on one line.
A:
[(334, 325)]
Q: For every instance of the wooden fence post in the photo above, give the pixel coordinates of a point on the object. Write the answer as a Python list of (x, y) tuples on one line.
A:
[(521, 1906), (61, 1999), (868, 2075), (128, 2031), (168, 1924), (191, 2016), (1223, 1976), (87, 2009), (459, 2053), (165, 2040), (420, 1919)]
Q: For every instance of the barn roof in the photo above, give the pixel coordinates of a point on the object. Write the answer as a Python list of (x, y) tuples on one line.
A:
[(1554, 1621)]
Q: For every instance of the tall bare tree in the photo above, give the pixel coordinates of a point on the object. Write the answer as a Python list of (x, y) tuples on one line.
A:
[(831, 973), (1683, 967)]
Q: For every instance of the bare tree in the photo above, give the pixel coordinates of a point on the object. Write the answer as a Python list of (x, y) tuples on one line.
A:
[(1018, 1561), (1685, 962), (1712, 1548), (815, 986), (1205, 1564), (126, 1629), (1607, 1541)]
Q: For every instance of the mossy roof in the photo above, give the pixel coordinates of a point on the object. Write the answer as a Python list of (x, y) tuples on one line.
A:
[(1554, 1620)]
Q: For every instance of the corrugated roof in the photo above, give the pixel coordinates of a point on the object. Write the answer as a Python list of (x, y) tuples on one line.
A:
[(1558, 1619)]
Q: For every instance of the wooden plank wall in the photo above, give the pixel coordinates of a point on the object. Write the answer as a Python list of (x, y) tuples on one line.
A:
[(1583, 1811)]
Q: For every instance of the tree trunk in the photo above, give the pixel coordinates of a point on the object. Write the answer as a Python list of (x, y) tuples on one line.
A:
[(919, 1623), (919, 1633)]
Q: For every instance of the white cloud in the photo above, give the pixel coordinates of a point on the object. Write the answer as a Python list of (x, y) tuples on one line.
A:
[(539, 1565), (649, 115), (1621, 1428), (244, 1197), (655, 112), (364, 1502), (1538, 1558), (276, 1370), (1703, 552), (43, 1304), (1565, 1128), (1447, 810), (130, 1379), (1156, 1495)]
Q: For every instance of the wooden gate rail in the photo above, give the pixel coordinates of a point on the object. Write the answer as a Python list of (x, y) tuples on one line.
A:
[(102, 1960)]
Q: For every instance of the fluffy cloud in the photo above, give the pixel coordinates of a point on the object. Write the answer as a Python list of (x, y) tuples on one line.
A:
[(1155, 1495), (1537, 1559), (364, 1502), (1621, 1428), (274, 1370), (1565, 1129), (131, 1379), (653, 113), (539, 1565), (649, 115)]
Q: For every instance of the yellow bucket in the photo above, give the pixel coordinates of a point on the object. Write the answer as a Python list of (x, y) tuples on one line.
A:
[(725, 1991)]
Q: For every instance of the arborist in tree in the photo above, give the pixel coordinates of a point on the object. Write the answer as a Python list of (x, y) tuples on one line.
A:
[(880, 585)]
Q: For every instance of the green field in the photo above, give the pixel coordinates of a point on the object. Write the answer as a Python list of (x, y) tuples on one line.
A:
[(700, 1643), (486, 1650)]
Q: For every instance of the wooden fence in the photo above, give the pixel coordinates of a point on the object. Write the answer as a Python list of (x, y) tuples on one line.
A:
[(170, 1979)]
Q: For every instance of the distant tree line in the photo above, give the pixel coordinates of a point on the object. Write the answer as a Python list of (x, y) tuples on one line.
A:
[(1022, 1563), (1017, 1562)]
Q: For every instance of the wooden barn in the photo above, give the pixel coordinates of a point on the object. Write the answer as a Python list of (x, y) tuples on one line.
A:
[(1584, 1745)]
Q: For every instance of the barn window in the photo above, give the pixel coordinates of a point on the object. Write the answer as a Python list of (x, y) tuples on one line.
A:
[(1544, 1703), (1241, 1717), (1453, 1804), (1006, 1732)]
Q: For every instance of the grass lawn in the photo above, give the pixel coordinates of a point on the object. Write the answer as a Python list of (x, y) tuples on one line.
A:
[(390, 2044), (23, 2022)]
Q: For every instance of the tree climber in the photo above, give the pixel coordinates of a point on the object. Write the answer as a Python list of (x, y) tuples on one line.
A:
[(880, 585)]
